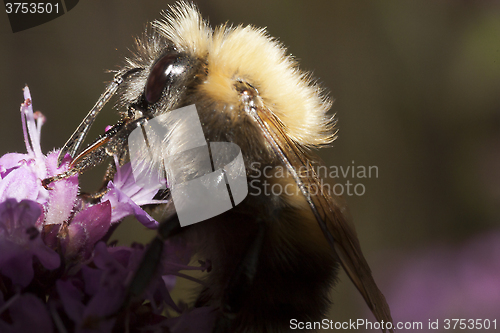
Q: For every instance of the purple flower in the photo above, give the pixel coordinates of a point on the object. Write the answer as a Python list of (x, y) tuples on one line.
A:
[(28, 314), (29, 167), (50, 242), (63, 193), (20, 241), (85, 230), (66, 219), (105, 288), (22, 174), (126, 196), (93, 298)]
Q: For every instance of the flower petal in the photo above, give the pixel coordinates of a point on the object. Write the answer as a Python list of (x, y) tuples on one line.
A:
[(87, 228), (20, 241), (71, 299), (47, 257), (63, 193), (19, 184), (28, 314), (123, 206), (17, 263), (10, 161)]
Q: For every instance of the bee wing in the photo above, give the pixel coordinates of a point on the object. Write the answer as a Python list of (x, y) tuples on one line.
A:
[(336, 228)]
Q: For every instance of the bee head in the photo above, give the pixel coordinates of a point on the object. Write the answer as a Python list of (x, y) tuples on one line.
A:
[(181, 61)]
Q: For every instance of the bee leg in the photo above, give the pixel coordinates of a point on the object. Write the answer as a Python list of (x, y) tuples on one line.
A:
[(149, 264), (151, 259), (239, 285), (93, 155)]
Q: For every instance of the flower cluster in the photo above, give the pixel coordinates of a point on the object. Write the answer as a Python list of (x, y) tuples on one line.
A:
[(57, 272)]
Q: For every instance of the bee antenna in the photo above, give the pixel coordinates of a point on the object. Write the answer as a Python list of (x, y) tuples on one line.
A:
[(74, 142)]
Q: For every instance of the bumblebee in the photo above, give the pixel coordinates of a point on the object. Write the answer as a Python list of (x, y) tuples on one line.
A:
[(274, 256)]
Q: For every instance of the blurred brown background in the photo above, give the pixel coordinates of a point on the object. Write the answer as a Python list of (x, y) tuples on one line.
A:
[(417, 93)]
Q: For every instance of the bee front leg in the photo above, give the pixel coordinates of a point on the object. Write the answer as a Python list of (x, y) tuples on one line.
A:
[(113, 142), (240, 284), (93, 155)]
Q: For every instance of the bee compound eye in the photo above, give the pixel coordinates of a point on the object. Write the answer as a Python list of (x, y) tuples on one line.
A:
[(161, 74)]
